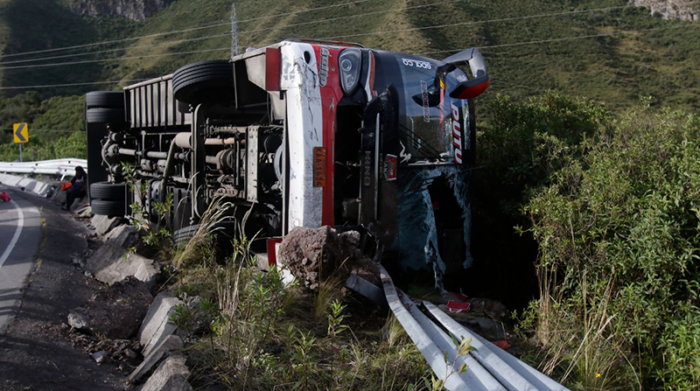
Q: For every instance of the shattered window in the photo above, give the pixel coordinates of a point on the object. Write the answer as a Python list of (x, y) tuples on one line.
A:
[(427, 128)]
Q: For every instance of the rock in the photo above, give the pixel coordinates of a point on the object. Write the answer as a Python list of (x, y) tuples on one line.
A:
[(86, 212), (129, 9), (104, 224), (170, 343), (78, 321), (115, 312), (156, 327), (171, 375), (111, 264), (313, 254), (488, 307), (99, 357), (671, 9), (124, 236)]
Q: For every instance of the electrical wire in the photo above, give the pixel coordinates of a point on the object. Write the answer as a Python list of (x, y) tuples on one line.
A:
[(228, 33), (179, 31), (473, 22), (337, 37), (118, 50)]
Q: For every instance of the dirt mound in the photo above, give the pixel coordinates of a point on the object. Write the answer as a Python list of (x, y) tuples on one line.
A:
[(313, 254)]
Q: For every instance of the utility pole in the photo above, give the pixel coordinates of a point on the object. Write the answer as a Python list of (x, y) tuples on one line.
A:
[(234, 31)]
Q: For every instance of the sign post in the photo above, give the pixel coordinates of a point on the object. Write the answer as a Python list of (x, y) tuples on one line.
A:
[(21, 135)]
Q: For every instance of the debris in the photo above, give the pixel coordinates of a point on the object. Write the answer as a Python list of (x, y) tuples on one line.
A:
[(313, 254), (172, 374), (488, 307), (169, 344), (104, 224), (156, 326), (99, 357), (111, 264), (115, 312), (502, 344), (78, 321), (455, 306)]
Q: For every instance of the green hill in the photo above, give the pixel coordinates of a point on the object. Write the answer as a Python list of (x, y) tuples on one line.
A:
[(606, 50)]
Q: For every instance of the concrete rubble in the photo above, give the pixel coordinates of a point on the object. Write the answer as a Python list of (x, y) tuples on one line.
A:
[(112, 263), (104, 224), (156, 327), (169, 344), (171, 375)]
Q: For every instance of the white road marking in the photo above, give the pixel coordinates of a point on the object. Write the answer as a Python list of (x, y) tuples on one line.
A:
[(15, 238)]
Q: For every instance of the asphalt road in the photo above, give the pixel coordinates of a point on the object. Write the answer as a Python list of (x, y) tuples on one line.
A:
[(39, 285), (20, 236)]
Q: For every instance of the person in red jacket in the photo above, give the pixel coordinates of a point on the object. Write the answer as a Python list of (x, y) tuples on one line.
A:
[(77, 188)]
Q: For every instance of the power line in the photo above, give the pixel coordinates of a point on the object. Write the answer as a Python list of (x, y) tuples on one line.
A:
[(564, 39), (426, 53), (72, 84), (178, 31), (355, 16), (363, 34), (58, 64), (116, 50), (224, 34), (481, 22)]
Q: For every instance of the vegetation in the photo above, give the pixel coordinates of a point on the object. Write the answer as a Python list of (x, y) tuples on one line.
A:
[(608, 187), (612, 203), (625, 51), (251, 332), (56, 127)]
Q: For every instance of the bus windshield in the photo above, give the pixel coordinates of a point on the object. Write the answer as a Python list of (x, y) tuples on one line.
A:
[(428, 112)]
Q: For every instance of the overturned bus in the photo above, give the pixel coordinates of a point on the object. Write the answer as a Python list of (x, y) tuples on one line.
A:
[(300, 134)]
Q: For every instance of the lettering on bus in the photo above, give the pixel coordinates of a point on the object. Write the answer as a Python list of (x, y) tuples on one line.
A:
[(325, 53), (456, 133), (320, 167), (366, 166)]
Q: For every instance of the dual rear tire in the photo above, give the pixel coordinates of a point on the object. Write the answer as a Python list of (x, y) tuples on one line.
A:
[(108, 199), (106, 107)]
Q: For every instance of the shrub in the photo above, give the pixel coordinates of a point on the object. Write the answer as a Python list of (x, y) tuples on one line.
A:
[(619, 227)]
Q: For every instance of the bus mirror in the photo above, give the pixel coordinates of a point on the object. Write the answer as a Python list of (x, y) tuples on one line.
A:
[(480, 76)]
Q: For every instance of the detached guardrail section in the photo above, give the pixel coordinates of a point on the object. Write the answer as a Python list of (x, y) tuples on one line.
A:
[(490, 368), (61, 167)]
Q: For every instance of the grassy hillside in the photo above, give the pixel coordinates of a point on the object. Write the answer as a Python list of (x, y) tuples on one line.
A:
[(602, 49), (642, 55)]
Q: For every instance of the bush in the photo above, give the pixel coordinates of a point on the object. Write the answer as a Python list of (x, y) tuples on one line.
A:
[(619, 225), (521, 146)]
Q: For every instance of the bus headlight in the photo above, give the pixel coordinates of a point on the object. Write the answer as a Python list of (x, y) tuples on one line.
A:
[(349, 62)]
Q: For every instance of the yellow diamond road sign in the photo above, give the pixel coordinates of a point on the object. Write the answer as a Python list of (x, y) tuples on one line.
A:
[(21, 132)]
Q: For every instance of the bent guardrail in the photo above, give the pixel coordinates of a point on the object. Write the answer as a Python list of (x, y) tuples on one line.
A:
[(61, 167)]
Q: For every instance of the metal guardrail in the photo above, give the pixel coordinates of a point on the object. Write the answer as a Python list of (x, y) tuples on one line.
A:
[(489, 367), (61, 167)]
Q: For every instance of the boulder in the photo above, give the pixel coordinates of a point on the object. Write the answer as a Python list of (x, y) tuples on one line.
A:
[(313, 254), (169, 344), (124, 236), (112, 263), (156, 326), (104, 224), (171, 375)]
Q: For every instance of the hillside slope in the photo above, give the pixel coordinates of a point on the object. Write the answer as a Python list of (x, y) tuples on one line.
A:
[(607, 50), (604, 49)]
